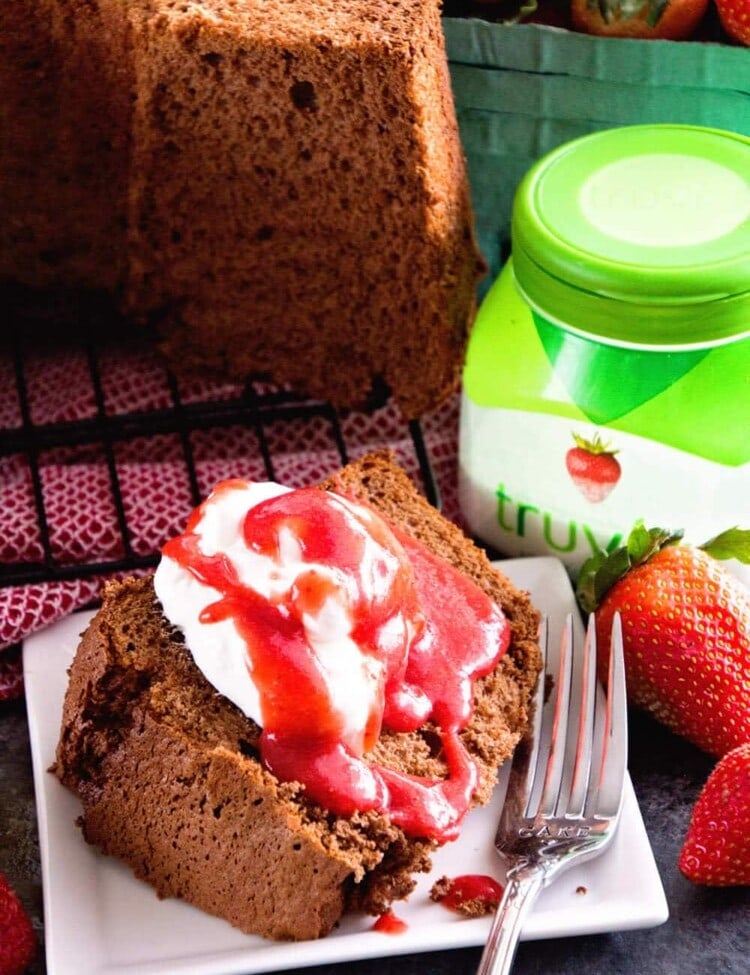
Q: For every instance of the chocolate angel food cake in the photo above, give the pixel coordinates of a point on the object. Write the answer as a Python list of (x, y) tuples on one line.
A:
[(285, 720), (276, 187)]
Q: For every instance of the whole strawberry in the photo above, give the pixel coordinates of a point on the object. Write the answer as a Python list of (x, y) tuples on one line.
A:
[(655, 19), (686, 630), (716, 850), (735, 19), (593, 467), (17, 938)]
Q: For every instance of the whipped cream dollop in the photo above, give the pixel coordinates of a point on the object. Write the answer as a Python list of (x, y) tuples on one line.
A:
[(328, 600)]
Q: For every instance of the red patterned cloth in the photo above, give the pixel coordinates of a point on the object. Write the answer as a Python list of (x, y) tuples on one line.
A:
[(84, 520)]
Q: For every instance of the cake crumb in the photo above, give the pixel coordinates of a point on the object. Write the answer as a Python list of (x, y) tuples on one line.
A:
[(472, 896), (440, 889)]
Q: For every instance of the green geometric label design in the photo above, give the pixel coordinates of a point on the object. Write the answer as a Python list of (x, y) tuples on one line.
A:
[(606, 382)]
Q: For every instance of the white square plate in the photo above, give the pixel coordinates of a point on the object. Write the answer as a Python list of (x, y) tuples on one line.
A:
[(100, 919)]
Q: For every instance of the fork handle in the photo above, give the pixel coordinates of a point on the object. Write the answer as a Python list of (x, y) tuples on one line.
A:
[(519, 895)]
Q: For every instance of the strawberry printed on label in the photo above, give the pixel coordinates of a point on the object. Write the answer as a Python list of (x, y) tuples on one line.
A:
[(593, 467)]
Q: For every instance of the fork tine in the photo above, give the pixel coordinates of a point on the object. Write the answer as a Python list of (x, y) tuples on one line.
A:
[(535, 737), (582, 704), (615, 743), (559, 731)]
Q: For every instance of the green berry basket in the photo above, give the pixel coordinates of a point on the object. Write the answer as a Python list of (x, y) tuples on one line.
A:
[(523, 89)]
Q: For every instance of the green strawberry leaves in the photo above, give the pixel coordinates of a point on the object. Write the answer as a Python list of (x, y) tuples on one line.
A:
[(597, 576), (734, 543), (600, 572), (644, 542), (596, 446)]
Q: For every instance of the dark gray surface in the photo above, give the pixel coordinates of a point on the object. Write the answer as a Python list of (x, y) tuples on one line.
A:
[(708, 932)]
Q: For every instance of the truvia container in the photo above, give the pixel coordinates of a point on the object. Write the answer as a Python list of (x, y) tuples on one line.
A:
[(608, 373)]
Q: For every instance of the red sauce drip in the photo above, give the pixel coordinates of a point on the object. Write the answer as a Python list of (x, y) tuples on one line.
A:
[(472, 887), (388, 923), (456, 635)]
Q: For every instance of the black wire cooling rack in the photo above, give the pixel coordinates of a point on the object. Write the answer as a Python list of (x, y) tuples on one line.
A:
[(26, 440)]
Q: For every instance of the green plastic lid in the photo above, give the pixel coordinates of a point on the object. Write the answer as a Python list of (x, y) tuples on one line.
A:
[(639, 235)]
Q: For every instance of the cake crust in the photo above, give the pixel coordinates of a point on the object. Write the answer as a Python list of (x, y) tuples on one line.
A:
[(169, 778)]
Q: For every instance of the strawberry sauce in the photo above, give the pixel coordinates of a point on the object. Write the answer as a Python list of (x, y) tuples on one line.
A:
[(425, 631), (471, 887), (388, 923)]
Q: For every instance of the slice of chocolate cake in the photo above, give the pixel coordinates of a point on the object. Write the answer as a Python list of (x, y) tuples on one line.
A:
[(175, 779)]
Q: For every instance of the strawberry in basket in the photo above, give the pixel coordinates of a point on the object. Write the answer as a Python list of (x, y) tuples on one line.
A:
[(735, 19), (658, 19)]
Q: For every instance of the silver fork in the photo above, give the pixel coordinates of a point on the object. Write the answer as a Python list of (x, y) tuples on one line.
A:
[(566, 783)]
